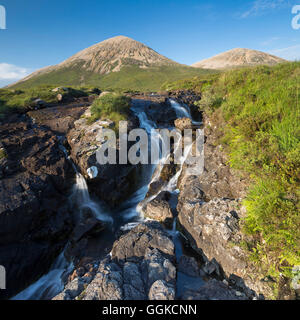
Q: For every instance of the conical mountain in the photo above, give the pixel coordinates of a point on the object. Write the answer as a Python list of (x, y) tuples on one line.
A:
[(238, 58), (119, 62)]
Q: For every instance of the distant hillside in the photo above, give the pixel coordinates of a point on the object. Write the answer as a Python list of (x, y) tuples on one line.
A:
[(238, 58), (119, 62)]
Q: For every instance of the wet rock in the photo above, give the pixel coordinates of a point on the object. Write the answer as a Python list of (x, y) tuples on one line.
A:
[(133, 245), (161, 112), (188, 266), (183, 123), (159, 209), (189, 98), (60, 119), (213, 290), (110, 182), (87, 228), (140, 267), (34, 216)]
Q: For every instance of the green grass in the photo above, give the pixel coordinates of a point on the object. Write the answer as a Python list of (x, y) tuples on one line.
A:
[(3, 154), (112, 106), (129, 78), (258, 112), (16, 100)]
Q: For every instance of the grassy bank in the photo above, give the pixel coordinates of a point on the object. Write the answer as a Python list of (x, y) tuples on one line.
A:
[(112, 106), (257, 110), (17, 100)]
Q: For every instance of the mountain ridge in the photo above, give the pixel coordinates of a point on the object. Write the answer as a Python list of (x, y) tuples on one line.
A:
[(116, 63), (238, 57), (108, 56), (124, 63)]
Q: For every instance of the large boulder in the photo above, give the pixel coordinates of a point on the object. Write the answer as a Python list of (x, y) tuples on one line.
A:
[(159, 209), (183, 123), (112, 183), (214, 226), (141, 266), (35, 219), (161, 112)]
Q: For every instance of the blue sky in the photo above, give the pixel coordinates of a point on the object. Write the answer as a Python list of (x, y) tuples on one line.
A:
[(43, 32)]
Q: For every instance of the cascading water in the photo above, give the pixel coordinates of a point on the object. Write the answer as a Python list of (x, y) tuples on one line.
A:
[(48, 285), (51, 284), (181, 111), (126, 217), (84, 202)]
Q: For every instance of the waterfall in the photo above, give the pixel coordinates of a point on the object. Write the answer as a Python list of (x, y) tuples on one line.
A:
[(49, 285), (181, 111), (126, 216), (82, 199), (81, 196), (171, 186)]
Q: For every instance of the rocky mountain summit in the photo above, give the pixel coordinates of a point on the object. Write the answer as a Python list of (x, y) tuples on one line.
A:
[(238, 57), (106, 57), (110, 56)]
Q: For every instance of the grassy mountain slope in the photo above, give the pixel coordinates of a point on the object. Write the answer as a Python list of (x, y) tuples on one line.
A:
[(128, 78), (116, 63), (258, 112)]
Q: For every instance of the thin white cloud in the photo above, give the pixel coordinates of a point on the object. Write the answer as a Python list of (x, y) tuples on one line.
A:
[(269, 41), (262, 6), (12, 72), (290, 53)]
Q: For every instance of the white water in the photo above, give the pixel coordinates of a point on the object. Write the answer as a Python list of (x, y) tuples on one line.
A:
[(181, 111), (48, 285), (51, 284), (157, 139), (83, 200)]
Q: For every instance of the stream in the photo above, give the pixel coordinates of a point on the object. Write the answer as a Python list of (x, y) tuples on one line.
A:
[(125, 217)]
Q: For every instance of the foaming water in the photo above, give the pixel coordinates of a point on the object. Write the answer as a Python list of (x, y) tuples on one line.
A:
[(126, 217), (181, 111), (49, 285), (83, 200)]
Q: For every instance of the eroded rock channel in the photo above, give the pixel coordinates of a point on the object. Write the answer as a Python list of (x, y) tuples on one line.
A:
[(73, 229)]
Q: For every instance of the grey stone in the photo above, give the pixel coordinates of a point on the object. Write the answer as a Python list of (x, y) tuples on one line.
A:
[(161, 290)]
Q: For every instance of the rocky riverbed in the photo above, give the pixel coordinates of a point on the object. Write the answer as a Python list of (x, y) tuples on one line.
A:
[(188, 250)]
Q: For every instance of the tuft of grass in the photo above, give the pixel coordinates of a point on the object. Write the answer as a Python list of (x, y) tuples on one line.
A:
[(3, 154), (115, 107)]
